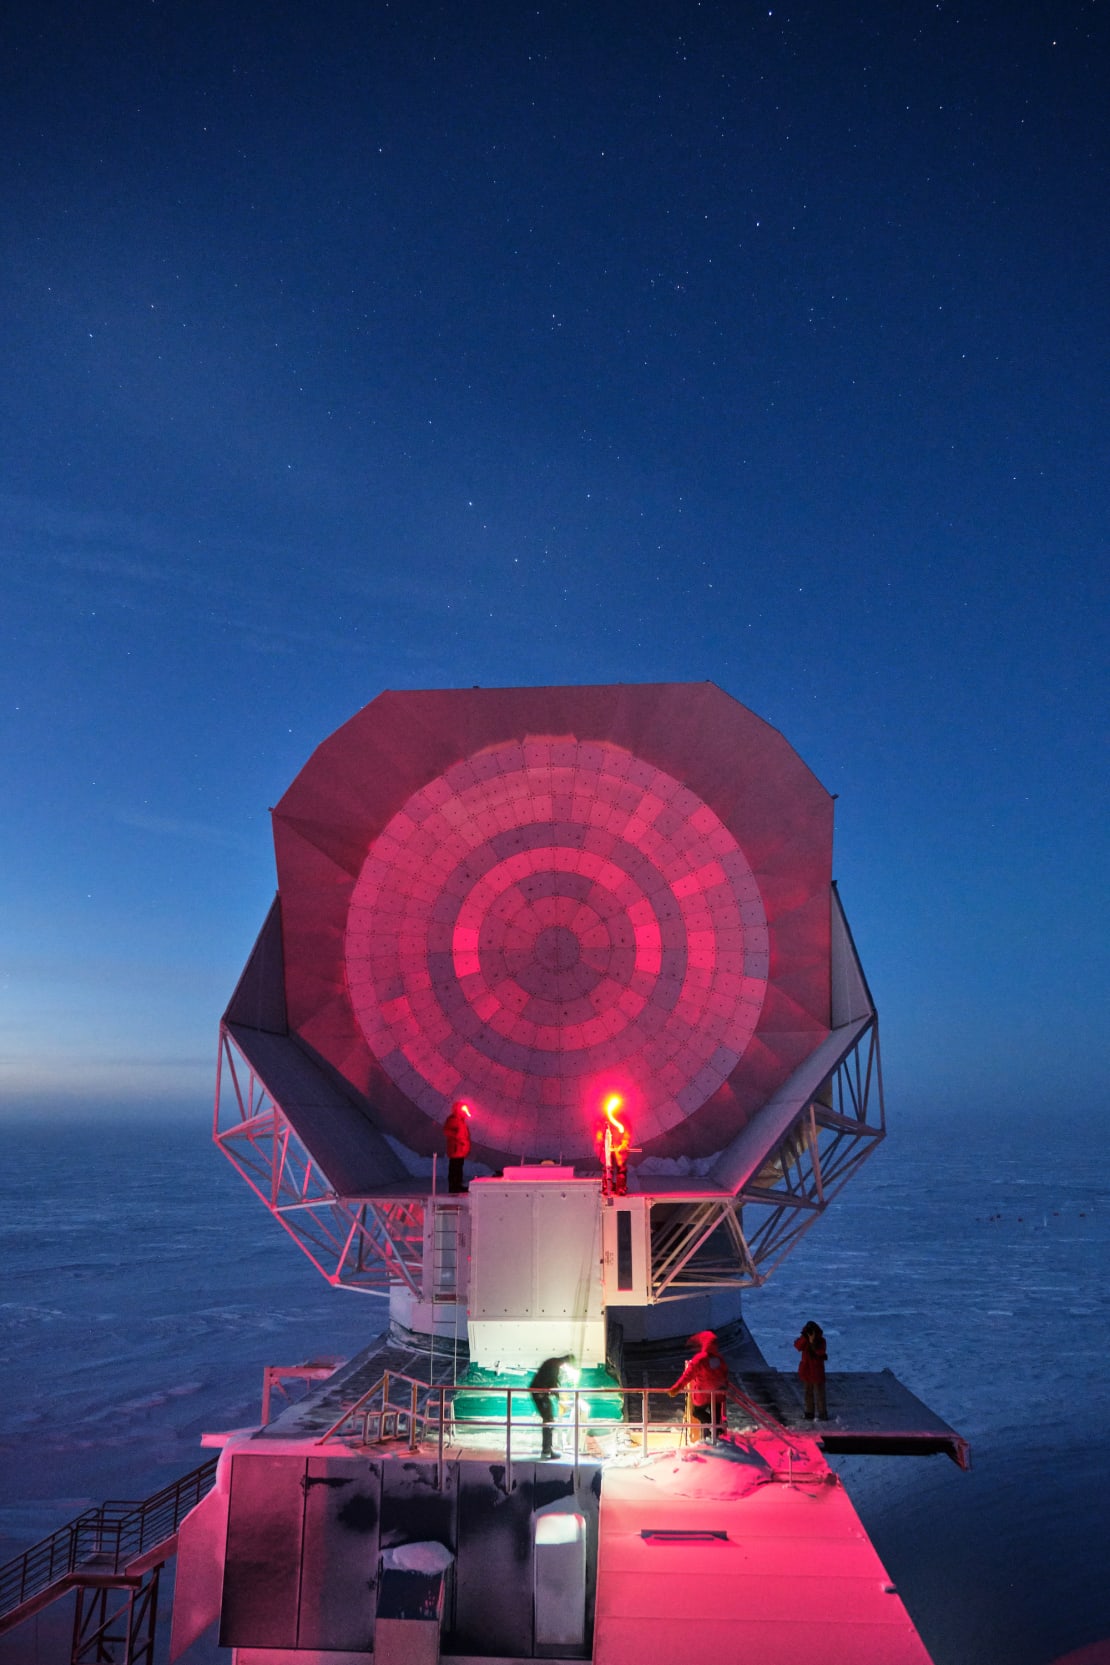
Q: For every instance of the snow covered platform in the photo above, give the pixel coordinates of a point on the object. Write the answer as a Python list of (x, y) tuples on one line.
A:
[(870, 1413), (744, 1553)]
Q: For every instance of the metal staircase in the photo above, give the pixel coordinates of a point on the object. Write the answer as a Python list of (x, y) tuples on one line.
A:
[(112, 1556)]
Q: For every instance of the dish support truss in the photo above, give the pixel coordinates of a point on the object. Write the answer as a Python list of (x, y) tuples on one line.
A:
[(361, 1243), (737, 1241), (732, 1239)]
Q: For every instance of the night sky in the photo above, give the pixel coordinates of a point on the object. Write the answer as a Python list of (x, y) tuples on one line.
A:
[(361, 346)]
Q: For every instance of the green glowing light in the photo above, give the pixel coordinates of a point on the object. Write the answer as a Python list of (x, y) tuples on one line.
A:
[(481, 1394)]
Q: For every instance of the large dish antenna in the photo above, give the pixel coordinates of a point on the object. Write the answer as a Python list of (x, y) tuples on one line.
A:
[(528, 898)]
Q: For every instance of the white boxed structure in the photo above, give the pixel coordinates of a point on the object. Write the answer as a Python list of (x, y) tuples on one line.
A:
[(535, 1271)]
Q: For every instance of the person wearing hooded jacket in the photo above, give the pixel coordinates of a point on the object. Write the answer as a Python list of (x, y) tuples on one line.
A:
[(706, 1375), (457, 1133), (811, 1369), (544, 1388)]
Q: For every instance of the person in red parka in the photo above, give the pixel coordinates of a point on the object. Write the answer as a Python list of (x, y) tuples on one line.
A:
[(706, 1375), (811, 1369), (456, 1130)]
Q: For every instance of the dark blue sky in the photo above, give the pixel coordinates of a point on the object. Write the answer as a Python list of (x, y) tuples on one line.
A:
[(358, 346)]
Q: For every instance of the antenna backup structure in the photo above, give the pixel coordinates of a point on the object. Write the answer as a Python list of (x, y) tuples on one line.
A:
[(524, 897), (549, 902)]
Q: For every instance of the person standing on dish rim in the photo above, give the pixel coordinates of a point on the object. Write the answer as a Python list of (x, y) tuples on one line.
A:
[(457, 1133)]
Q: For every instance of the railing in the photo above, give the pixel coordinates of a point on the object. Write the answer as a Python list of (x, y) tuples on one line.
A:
[(425, 1413), (108, 1538)]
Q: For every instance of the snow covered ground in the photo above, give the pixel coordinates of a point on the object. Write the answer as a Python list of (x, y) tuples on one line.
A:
[(144, 1288)]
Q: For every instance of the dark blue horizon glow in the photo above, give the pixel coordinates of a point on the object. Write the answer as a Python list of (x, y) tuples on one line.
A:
[(355, 348)]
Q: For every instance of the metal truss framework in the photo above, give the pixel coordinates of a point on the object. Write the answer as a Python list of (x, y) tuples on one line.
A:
[(116, 1627), (715, 1243), (738, 1242), (112, 1554), (359, 1243)]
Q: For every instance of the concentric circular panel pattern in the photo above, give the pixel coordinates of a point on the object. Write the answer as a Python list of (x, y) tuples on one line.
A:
[(548, 920)]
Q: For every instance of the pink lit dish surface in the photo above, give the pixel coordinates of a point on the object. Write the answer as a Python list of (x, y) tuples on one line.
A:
[(529, 898), (546, 915)]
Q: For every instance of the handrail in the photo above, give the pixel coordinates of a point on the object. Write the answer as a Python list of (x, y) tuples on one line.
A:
[(353, 1409), (113, 1534), (756, 1413), (382, 1384), (428, 1419)]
